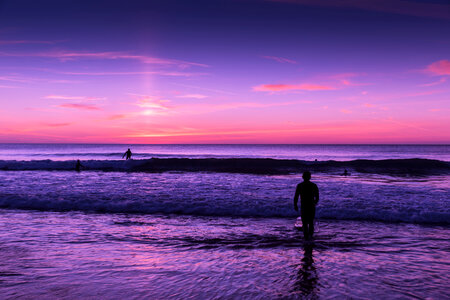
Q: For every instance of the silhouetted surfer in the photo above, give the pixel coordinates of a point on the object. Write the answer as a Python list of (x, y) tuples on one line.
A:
[(78, 166), (127, 154), (309, 195)]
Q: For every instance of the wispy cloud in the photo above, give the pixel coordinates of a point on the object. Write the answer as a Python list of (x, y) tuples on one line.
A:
[(280, 59), (80, 106), (287, 87), (15, 79), (16, 42), (328, 82), (63, 81), (162, 73), (56, 124), (441, 67), (206, 89), (368, 105), (346, 79), (22, 79), (117, 116), (201, 108), (195, 96), (154, 106), (345, 111), (402, 7), (74, 55), (63, 97), (442, 80)]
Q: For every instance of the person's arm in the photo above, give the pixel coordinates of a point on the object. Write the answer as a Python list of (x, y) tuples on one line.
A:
[(297, 193), (124, 155), (316, 195)]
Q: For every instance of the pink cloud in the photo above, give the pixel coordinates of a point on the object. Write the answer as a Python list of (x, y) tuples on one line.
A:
[(56, 124), (368, 105), (62, 97), (441, 67), (117, 117), (280, 59), (345, 111), (287, 87), (195, 96), (80, 106)]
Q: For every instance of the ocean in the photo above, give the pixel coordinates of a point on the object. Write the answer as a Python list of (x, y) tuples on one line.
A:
[(217, 222)]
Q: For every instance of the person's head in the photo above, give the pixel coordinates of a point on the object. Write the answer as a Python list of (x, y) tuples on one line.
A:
[(306, 176)]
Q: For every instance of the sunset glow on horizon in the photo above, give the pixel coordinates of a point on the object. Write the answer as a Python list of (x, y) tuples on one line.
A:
[(225, 72)]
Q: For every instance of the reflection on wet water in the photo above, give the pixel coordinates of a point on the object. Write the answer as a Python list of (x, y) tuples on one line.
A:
[(77, 255), (306, 279)]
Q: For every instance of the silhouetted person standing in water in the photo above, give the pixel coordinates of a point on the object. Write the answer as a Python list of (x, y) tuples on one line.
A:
[(127, 153), (309, 195), (78, 166)]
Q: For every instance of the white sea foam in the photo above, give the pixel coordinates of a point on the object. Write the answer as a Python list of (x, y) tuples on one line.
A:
[(222, 194)]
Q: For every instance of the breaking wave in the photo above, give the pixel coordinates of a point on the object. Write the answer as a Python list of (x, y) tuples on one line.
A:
[(414, 166), (198, 207)]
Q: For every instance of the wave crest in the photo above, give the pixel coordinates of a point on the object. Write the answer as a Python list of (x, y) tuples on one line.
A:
[(414, 166)]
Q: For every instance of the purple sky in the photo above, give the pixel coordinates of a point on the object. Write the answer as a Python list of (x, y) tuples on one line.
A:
[(288, 71)]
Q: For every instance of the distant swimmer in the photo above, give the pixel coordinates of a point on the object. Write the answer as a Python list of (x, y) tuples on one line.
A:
[(127, 154), (346, 173), (309, 195), (78, 166)]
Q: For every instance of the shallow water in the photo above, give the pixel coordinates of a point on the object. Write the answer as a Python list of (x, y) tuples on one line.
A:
[(116, 232), (78, 255)]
